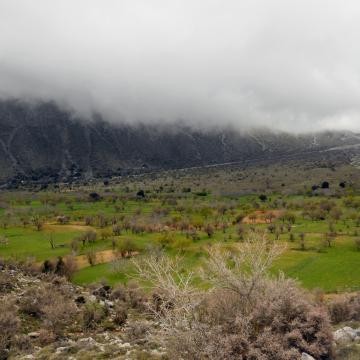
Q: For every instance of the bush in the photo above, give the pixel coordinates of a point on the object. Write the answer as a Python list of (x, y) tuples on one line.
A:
[(91, 257), (6, 282), (46, 301), (9, 326), (121, 313), (58, 315), (66, 267), (116, 230), (127, 246), (94, 196), (263, 197), (345, 308), (119, 293), (137, 297), (245, 315), (93, 314)]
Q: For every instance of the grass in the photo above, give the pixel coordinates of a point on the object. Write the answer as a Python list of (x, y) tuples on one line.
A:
[(27, 242), (333, 269), (107, 272)]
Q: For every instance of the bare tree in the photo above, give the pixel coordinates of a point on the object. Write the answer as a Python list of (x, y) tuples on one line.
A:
[(52, 241), (38, 222), (245, 313), (249, 264), (175, 296), (91, 257)]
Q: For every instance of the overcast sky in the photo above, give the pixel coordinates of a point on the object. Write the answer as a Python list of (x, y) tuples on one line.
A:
[(288, 64)]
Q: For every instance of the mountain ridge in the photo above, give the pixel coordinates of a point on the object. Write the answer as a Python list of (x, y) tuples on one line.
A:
[(42, 142)]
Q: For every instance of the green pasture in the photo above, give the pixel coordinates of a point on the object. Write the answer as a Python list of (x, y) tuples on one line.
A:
[(333, 269)]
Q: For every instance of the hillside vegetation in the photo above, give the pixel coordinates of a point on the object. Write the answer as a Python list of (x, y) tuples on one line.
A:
[(179, 269)]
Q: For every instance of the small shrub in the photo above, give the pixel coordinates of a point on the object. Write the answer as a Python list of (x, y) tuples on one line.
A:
[(58, 315), (345, 308), (93, 314), (116, 230), (137, 297), (6, 282), (9, 327), (119, 293), (91, 257), (121, 313)]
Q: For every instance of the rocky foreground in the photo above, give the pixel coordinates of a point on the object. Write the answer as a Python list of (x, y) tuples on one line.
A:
[(97, 328), (46, 317)]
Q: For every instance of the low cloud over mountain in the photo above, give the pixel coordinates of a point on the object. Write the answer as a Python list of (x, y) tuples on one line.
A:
[(291, 65)]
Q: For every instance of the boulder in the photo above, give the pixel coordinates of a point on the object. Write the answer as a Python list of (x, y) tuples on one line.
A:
[(34, 335), (305, 356), (344, 335)]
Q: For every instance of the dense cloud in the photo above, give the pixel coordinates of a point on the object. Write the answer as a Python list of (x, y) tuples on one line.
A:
[(292, 65)]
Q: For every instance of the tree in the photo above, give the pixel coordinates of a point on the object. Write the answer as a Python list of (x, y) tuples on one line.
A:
[(269, 216), (241, 231), (47, 267), (91, 257), (38, 222), (127, 247), (209, 229), (271, 228), (302, 241), (253, 217), (336, 214), (116, 230), (263, 197), (113, 243), (239, 218), (277, 233), (93, 196), (288, 217), (325, 185), (52, 241), (140, 194), (328, 239)]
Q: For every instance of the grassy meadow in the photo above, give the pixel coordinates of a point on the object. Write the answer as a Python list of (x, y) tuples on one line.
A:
[(102, 227)]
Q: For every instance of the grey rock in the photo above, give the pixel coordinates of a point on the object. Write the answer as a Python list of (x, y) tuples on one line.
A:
[(109, 303), (34, 334), (305, 356), (344, 335), (63, 349), (92, 298)]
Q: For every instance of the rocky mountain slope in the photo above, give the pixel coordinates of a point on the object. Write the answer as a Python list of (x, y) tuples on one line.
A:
[(43, 142)]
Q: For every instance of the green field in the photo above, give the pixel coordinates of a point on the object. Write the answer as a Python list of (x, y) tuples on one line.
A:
[(186, 223)]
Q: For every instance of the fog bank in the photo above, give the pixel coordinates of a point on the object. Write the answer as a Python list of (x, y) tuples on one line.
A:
[(288, 65)]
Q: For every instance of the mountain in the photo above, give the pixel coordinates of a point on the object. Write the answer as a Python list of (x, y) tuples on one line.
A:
[(42, 142)]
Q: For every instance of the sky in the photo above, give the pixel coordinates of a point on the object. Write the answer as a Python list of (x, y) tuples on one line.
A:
[(292, 65)]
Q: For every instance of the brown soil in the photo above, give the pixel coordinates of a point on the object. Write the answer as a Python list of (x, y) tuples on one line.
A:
[(261, 216), (102, 257), (67, 227)]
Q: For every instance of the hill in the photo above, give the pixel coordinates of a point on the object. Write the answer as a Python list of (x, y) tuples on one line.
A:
[(44, 143)]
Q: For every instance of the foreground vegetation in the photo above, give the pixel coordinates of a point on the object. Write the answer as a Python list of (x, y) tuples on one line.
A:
[(169, 270), (243, 312)]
